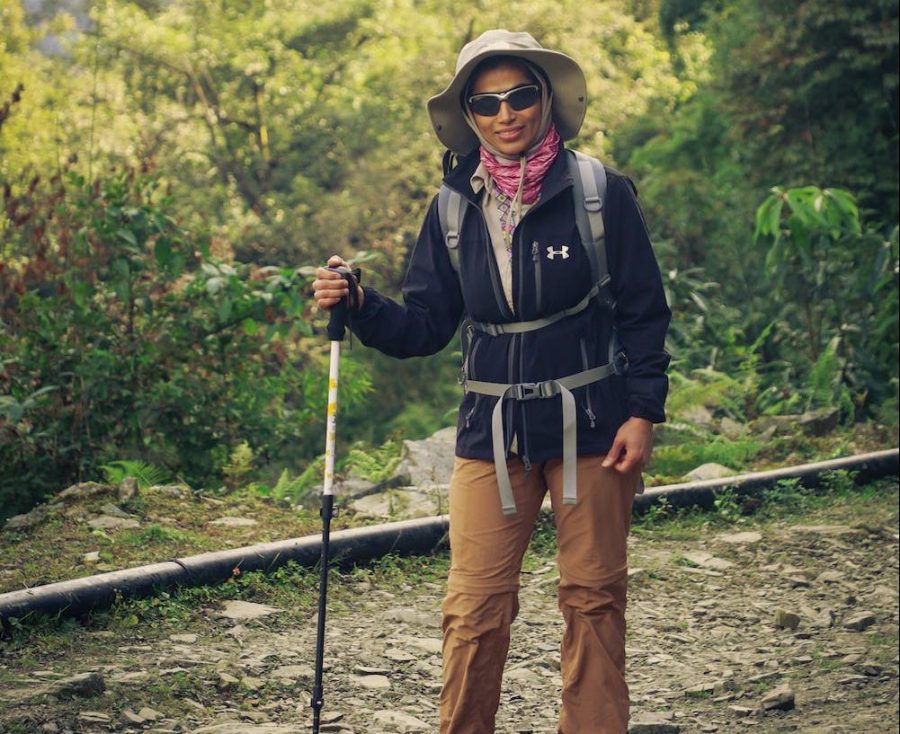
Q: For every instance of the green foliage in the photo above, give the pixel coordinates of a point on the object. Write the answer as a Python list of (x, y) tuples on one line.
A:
[(764, 114), (785, 65), (675, 460), (297, 489), (825, 269), (145, 474), (788, 496), (239, 465), (373, 464), (658, 513), (727, 505), (121, 337), (152, 534), (290, 488), (403, 571), (160, 192), (839, 482), (709, 388)]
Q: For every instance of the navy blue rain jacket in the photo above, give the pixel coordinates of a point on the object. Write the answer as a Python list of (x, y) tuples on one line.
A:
[(436, 299)]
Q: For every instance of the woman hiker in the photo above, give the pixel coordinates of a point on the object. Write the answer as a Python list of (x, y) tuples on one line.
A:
[(564, 376)]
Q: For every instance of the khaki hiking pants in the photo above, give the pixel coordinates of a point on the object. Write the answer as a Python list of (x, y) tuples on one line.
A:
[(482, 591)]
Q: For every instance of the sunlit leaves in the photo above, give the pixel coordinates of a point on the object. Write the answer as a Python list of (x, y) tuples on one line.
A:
[(801, 219)]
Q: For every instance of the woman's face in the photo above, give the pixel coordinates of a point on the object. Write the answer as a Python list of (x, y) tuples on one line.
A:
[(510, 131)]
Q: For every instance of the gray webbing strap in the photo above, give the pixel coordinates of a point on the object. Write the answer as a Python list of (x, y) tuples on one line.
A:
[(507, 500), (538, 391), (589, 179), (450, 207), (520, 327)]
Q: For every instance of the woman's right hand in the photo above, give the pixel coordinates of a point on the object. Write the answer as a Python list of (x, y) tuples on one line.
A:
[(329, 288)]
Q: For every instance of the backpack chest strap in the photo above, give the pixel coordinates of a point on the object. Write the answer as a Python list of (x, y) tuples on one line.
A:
[(520, 327)]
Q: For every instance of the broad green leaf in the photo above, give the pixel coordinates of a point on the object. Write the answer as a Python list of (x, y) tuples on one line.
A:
[(126, 235), (162, 250)]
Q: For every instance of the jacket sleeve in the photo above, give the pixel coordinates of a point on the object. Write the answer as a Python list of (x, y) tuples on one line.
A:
[(432, 301), (642, 314)]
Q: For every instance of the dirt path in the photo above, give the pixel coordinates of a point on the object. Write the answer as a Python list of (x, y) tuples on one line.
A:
[(804, 613)]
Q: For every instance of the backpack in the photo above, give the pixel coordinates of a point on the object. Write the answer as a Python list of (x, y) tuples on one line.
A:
[(589, 179)]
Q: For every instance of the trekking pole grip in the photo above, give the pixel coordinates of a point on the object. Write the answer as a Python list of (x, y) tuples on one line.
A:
[(339, 313)]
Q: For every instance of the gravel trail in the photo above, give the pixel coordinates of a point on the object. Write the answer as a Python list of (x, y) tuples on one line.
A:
[(767, 628)]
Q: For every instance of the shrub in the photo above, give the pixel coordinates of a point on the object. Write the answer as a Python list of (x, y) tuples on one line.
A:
[(123, 338)]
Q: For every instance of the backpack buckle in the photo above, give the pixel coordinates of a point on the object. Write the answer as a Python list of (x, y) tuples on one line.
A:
[(593, 203), (526, 391), (534, 390)]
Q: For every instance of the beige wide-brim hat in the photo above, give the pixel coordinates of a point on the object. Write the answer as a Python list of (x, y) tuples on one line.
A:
[(566, 80)]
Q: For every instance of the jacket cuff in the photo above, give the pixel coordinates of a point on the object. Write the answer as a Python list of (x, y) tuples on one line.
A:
[(642, 411)]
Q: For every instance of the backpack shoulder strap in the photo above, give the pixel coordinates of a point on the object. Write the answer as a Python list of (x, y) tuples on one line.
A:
[(589, 178), (451, 208)]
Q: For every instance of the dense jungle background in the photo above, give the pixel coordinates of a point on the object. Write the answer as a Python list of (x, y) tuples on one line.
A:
[(172, 171)]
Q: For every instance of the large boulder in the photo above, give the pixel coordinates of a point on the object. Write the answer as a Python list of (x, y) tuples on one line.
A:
[(417, 488), (428, 462)]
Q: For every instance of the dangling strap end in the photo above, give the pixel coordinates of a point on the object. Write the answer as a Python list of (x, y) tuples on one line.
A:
[(507, 500)]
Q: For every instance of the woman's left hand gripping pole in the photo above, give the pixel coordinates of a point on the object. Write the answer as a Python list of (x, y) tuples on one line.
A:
[(337, 326)]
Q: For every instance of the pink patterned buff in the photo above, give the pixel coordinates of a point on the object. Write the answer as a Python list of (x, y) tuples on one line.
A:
[(507, 173)]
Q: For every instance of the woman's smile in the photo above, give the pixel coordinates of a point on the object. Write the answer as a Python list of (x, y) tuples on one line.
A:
[(510, 131)]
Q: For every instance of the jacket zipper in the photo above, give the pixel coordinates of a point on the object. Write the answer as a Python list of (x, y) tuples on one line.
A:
[(510, 372), (470, 372), (587, 389), (523, 439), (514, 342), (536, 259), (535, 248), (515, 376)]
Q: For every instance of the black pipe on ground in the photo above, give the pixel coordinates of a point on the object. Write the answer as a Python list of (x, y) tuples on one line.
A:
[(864, 468), (410, 537)]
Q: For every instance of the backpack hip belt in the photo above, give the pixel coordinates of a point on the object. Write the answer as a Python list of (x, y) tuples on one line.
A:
[(525, 391)]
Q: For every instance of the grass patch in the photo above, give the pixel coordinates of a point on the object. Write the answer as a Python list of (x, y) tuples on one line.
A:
[(882, 647), (291, 587), (678, 459), (679, 560), (155, 534), (394, 570), (698, 695), (837, 496), (173, 523)]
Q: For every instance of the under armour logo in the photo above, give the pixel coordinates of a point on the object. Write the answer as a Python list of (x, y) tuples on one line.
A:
[(564, 251)]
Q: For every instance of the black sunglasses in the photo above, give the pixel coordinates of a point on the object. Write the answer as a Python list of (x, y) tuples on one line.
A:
[(519, 98)]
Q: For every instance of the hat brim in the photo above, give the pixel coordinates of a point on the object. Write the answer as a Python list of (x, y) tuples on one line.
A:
[(566, 79)]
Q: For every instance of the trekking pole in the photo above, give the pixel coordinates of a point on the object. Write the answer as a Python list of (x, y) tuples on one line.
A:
[(337, 322)]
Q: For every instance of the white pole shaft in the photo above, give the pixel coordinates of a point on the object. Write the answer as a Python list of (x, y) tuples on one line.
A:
[(330, 434)]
